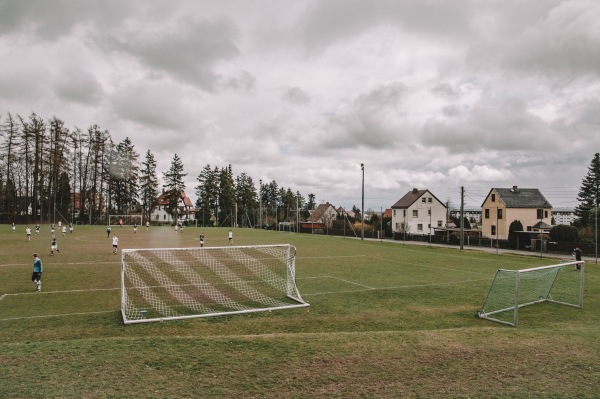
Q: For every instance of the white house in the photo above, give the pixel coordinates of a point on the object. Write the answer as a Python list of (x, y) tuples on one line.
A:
[(185, 210), (418, 212)]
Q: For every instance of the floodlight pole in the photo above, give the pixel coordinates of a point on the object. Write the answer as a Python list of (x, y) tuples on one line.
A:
[(362, 210)]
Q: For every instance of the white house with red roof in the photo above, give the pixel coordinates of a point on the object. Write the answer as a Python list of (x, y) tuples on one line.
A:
[(185, 210), (418, 212)]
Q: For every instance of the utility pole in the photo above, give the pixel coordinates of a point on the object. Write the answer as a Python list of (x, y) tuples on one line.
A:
[(362, 209), (462, 217)]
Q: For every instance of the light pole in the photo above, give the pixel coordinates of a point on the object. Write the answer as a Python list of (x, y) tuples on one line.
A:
[(260, 204), (362, 209)]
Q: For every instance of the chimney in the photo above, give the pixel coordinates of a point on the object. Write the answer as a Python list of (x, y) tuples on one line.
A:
[(514, 189), (414, 191)]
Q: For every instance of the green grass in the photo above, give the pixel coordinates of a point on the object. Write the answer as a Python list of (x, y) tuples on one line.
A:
[(387, 320)]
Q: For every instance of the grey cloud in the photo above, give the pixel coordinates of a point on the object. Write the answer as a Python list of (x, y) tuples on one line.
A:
[(79, 86), (562, 44), (245, 82), (503, 128), (295, 95), (188, 50), (49, 20), (327, 22), (386, 95), (446, 90)]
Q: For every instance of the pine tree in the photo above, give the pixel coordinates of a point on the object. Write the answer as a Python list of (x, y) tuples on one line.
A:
[(207, 192), (226, 196), (148, 184), (174, 185), (588, 194), (246, 199)]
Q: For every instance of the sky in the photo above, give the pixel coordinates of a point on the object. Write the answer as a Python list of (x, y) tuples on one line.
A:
[(427, 94)]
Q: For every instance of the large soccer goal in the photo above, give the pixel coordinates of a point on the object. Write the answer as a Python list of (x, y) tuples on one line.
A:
[(513, 289), (181, 283)]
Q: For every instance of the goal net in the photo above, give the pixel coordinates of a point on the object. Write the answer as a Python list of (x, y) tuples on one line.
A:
[(126, 220), (513, 289), (181, 283)]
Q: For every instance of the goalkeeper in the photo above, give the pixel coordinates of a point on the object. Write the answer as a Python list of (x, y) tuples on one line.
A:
[(36, 277)]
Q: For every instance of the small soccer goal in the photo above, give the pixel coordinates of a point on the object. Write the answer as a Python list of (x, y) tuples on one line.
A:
[(182, 283), (513, 289), (125, 220)]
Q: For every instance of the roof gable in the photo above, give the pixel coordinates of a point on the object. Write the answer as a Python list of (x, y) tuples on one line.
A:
[(318, 213), (521, 197), (411, 197)]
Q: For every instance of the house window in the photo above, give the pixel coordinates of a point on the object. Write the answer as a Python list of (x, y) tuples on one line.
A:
[(429, 212), (499, 213), (439, 223), (487, 213), (493, 230), (540, 212), (404, 212), (429, 200), (415, 213), (164, 217), (493, 197), (394, 213), (545, 214), (420, 227), (423, 200)]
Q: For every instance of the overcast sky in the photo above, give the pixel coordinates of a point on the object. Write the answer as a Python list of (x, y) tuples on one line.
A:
[(428, 94)]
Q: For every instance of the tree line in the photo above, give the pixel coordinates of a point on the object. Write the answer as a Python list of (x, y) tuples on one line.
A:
[(49, 172)]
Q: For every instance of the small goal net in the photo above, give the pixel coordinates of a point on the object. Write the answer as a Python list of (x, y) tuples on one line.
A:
[(513, 289), (181, 283), (125, 220)]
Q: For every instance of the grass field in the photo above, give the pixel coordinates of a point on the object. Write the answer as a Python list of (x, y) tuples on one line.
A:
[(387, 320)]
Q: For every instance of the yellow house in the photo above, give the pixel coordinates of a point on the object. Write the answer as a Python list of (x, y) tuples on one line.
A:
[(502, 206)]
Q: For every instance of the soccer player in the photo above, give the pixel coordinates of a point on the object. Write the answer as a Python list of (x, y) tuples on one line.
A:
[(230, 236), (37, 229), (28, 232), (52, 229), (147, 224), (201, 239), (53, 246), (115, 244), (64, 230), (577, 255), (71, 227), (108, 231), (135, 228), (36, 277), (14, 227)]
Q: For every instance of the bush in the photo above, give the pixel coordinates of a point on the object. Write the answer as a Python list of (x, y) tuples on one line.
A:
[(564, 233)]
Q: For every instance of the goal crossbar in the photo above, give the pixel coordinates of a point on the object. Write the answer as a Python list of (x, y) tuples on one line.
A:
[(180, 283), (514, 289)]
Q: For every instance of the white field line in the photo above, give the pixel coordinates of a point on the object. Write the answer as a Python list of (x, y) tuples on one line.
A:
[(58, 292), (386, 288), (429, 266), (62, 263), (331, 257), (57, 315)]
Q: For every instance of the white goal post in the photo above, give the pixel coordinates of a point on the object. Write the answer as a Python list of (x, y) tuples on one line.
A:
[(128, 220), (513, 289), (180, 283)]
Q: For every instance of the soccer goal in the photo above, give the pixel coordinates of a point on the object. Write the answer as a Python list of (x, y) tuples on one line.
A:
[(182, 283), (128, 220), (513, 289)]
